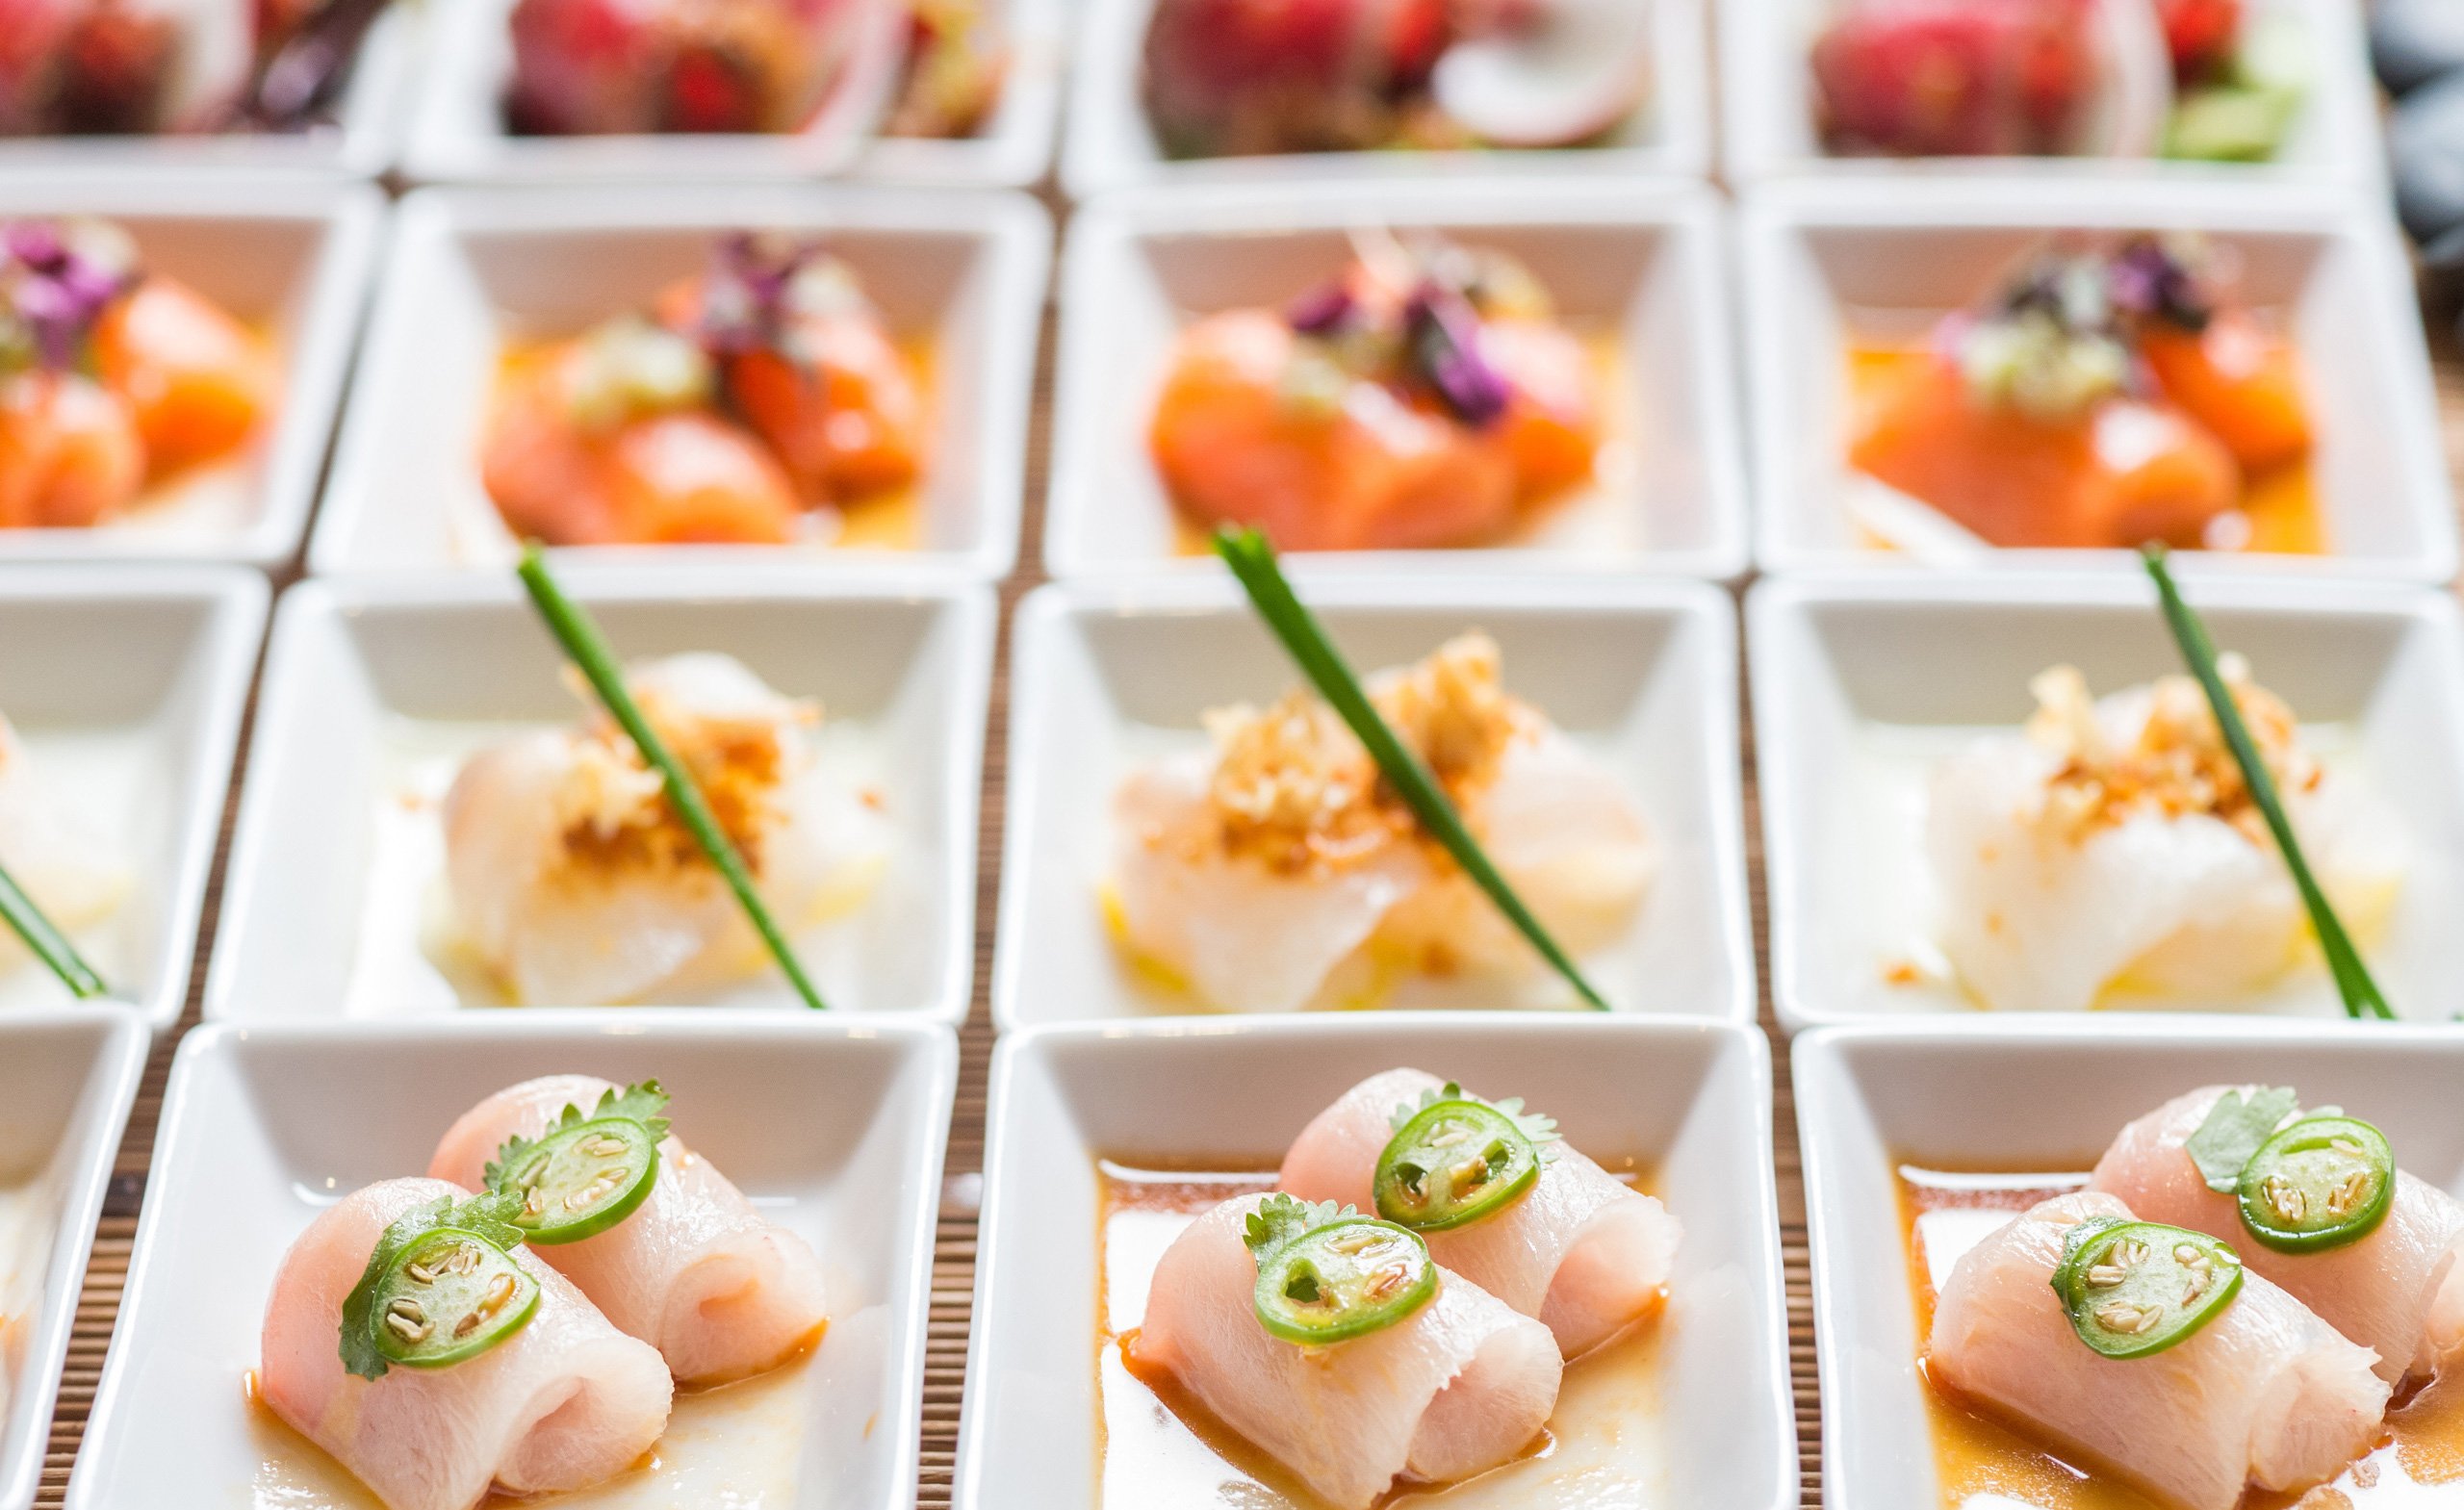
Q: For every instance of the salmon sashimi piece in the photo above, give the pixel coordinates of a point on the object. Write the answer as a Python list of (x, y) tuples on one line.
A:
[(2126, 473), (563, 1403), (849, 421), (694, 1270), (1582, 1251), (574, 883), (2265, 1394), (1552, 423), (69, 871), (1459, 1386), (2241, 383), (200, 381), (2390, 1291), (1355, 468), (70, 456)]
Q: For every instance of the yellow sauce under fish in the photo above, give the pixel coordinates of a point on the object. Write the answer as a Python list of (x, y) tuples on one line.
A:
[(1985, 1464)]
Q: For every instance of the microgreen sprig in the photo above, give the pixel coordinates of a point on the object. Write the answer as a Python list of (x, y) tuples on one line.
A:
[(579, 634), (1252, 562), (2361, 994), (47, 942)]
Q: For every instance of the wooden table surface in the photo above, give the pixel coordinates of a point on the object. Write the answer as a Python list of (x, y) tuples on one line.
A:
[(954, 1252)]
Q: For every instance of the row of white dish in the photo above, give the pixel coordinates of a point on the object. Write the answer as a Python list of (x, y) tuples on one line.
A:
[(262, 1126), (1816, 267), (135, 677), (426, 100)]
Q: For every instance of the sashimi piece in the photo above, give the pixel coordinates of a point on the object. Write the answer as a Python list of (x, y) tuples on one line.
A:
[(1581, 1250), (563, 1403), (198, 380), (575, 882), (2265, 1394), (1553, 423), (66, 869), (2241, 382), (2399, 1290), (1459, 1386), (70, 456), (694, 1270), (2113, 844)]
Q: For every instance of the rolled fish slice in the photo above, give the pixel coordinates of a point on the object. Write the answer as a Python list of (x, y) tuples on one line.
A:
[(1460, 1386), (694, 1270), (563, 1403), (2265, 1394), (1584, 1253), (2400, 1291)]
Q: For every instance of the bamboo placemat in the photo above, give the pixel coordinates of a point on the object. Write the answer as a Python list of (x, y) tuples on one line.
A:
[(953, 1249)]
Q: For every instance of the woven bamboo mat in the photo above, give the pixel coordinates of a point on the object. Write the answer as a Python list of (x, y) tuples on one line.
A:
[(953, 1251)]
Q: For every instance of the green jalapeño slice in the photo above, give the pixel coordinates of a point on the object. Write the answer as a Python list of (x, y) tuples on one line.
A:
[(582, 1179), (1328, 1274), (2322, 1183), (2136, 1288), (448, 1296), (1453, 1163)]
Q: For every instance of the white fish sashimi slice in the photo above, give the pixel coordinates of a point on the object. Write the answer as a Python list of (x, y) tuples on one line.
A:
[(563, 1403), (1565, 835), (2398, 1290), (695, 1270), (1460, 1386), (65, 869), (1243, 937), (2265, 1394), (1582, 1251)]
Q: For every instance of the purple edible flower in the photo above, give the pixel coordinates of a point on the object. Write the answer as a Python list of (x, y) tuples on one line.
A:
[(747, 299), (54, 292), (2148, 280), (1322, 311), (1443, 340)]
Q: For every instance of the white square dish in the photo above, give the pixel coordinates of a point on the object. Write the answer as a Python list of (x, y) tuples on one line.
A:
[(1862, 681), (376, 690), (457, 128), (475, 269), (1014, 147), (1686, 1105), (1108, 144), (67, 1078), (1112, 675), (1767, 110), (2049, 1096), (1638, 264), (1829, 263), (127, 685), (290, 254), (263, 1127)]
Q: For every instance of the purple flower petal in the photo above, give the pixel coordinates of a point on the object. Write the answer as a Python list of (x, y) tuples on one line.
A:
[(1445, 348), (1322, 311)]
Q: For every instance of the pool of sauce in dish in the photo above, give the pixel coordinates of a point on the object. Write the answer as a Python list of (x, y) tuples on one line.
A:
[(1158, 1449), (2279, 507), (1986, 1465)]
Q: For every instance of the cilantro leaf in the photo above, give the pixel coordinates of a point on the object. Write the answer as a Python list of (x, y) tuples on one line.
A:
[(638, 1103), (1281, 1218), (2234, 1129), (1541, 1129), (489, 1217)]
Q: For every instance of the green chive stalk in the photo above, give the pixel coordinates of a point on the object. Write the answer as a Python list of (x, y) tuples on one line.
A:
[(2361, 994), (1252, 562), (47, 942), (588, 647)]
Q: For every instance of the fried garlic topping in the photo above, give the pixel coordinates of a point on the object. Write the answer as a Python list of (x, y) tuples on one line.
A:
[(2177, 763)]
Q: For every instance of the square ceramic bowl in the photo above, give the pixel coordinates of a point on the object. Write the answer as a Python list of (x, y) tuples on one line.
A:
[(456, 125), (1636, 269), (335, 903), (67, 1077), (1862, 683), (1686, 1105), (361, 141), (1830, 264), (835, 1129), (1768, 100), (126, 686), (1014, 146), (2047, 1097), (1112, 676), (1109, 143), (476, 271), (290, 254)]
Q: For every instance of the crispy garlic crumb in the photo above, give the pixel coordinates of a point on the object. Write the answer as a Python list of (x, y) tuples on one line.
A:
[(1295, 790), (614, 815), (2178, 765)]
